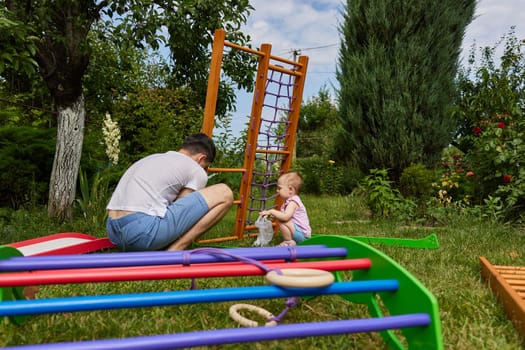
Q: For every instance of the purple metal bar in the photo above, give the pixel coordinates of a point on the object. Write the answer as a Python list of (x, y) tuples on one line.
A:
[(241, 335), (164, 258)]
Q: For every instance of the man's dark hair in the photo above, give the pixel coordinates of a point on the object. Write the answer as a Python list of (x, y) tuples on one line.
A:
[(200, 143)]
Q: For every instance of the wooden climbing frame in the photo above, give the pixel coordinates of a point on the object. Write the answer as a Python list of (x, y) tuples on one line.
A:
[(268, 66)]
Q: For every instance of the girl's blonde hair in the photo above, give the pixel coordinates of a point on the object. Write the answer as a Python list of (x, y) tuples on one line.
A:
[(293, 179)]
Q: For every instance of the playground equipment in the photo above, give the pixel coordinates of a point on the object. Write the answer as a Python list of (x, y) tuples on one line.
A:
[(508, 284), (403, 311), (61, 243), (56, 244), (271, 136), (272, 129)]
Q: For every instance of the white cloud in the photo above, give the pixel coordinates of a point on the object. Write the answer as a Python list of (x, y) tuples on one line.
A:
[(494, 19), (310, 25)]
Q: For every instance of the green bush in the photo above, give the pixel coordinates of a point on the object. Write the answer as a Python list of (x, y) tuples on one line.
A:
[(416, 182), (26, 160), (384, 200), (492, 136), (497, 153), (325, 176), (156, 121)]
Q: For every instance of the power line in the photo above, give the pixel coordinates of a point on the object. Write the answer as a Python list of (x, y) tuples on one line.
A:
[(298, 51), (319, 47)]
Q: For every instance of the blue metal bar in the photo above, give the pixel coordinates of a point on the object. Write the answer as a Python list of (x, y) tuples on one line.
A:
[(120, 301)]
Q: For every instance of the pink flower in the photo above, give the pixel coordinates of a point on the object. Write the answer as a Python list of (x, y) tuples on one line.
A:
[(477, 130), (507, 178), (501, 125), (469, 173)]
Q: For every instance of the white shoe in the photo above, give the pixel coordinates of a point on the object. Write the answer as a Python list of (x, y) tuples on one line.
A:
[(287, 243)]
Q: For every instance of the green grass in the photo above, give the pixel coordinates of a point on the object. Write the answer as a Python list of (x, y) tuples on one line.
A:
[(471, 316)]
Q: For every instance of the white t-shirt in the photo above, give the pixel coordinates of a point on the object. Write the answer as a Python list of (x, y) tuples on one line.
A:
[(153, 183)]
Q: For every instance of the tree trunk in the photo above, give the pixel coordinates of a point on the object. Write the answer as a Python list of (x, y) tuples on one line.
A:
[(70, 135)]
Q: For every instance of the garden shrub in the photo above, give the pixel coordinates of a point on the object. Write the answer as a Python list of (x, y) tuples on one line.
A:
[(492, 135), (455, 181), (498, 155), (325, 176), (416, 182), (384, 200), (156, 121), (26, 160)]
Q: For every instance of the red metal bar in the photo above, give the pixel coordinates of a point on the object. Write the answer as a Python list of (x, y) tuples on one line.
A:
[(158, 272)]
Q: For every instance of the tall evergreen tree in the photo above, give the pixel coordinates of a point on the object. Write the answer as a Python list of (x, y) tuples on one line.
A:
[(397, 64)]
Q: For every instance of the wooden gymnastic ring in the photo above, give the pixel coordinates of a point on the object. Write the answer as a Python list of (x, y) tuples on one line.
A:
[(300, 278), (243, 321)]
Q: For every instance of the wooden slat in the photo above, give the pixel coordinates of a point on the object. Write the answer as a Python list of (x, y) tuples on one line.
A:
[(511, 296)]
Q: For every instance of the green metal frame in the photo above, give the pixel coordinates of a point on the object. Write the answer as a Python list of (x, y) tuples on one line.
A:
[(412, 296), (428, 242), (12, 293)]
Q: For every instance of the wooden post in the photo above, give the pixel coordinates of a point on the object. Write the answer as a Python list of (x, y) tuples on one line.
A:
[(213, 82)]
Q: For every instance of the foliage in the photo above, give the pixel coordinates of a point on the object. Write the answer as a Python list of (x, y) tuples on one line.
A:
[(230, 155), (16, 45), (190, 25), (157, 120), (318, 121), (416, 182), (115, 71), (21, 109), (497, 156), (493, 127), (325, 176), (454, 183), (396, 70), (95, 194), (383, 199), (26, 156)]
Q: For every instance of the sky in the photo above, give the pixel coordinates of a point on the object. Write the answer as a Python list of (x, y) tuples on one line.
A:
[(312, 28)]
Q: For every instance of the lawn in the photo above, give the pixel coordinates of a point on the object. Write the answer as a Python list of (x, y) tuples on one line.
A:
[(471, 316)]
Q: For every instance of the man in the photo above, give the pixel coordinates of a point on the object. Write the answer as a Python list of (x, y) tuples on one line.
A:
[(162, 202)]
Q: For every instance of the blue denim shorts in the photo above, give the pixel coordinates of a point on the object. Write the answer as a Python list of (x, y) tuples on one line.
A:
[(139, 231), (298, 235)]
